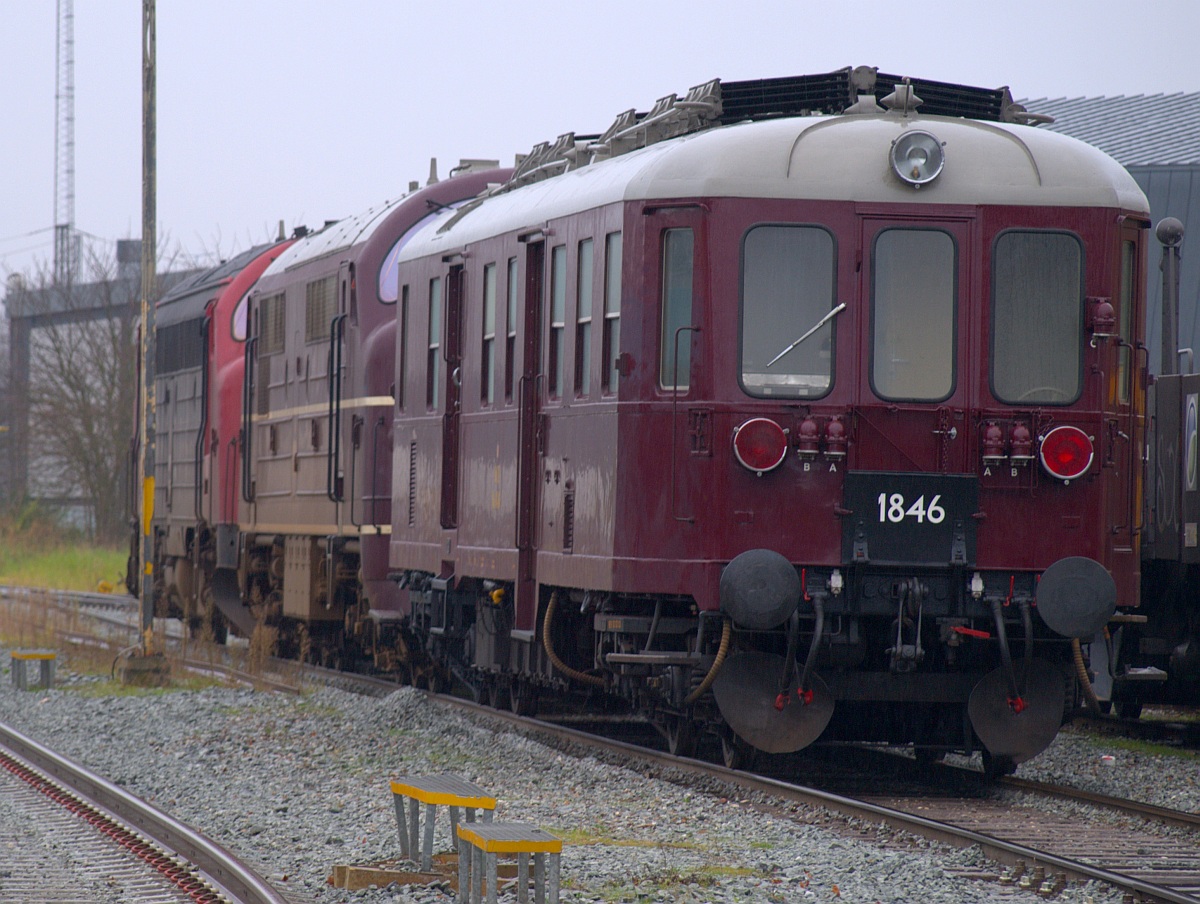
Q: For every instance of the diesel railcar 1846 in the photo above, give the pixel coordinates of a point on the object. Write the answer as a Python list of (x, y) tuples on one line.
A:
[(791, 410)]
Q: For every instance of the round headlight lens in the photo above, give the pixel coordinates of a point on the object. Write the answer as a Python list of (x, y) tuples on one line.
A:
[(917, 157), (1066, 452), (760, 445)]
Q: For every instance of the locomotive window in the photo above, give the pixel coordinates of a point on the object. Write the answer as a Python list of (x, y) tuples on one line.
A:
[(558, 319), (434, 359), (612, 308), (510, 325), (1037, 318), (677, 309), (237, 325), (583, 321), (488, 358), (787, 288), (913, 325)]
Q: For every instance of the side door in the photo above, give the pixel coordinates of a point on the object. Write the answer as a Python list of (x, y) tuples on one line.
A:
[(530, 439), (452, 413)]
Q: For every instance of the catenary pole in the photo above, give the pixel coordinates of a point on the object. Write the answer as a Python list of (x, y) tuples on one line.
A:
[(149, 253)]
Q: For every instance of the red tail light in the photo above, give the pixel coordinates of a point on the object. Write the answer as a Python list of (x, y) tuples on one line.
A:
[(1066, 452), (760, 445)]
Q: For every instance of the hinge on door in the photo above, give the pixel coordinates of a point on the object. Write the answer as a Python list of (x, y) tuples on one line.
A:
[(700, 431)]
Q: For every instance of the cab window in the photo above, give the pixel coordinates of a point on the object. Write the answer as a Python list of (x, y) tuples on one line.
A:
[(1037, 318), (787, 290), (913, 306)]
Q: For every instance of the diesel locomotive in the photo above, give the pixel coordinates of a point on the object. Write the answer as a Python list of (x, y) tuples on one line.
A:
[(799, 410)]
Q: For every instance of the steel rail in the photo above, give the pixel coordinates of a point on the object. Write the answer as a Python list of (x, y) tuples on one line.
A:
[(997, 849), (225, 871)]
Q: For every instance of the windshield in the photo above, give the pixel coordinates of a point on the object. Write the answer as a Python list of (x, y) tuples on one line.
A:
[(787, 290)]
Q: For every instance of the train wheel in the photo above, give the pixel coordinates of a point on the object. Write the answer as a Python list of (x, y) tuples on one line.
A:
[(523, 698), (1125, 710), (681, 736), (996, 766), (735, 753)]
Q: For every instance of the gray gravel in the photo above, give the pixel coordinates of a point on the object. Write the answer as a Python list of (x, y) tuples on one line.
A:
[(297, 785)]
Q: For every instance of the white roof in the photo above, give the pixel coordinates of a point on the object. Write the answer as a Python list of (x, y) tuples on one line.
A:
[(816, 158)]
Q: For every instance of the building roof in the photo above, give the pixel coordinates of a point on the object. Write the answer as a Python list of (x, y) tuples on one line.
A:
[(1138, 130)]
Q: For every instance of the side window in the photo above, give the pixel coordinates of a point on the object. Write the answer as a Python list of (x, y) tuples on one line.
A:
[(787, 289), (583, 321), (612, 309), (510, 326), (1037, 318), (913, 306), (558, 321), (488, 356), (677, 252), (434, 358)]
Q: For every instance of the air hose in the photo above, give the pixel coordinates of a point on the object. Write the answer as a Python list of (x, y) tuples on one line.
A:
[(726, 636), (574, 674)]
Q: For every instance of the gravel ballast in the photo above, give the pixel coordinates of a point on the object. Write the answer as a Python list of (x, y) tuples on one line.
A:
[(296, 785)]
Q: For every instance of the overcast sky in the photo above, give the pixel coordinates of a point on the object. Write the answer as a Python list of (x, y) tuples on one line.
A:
[(311, 110)]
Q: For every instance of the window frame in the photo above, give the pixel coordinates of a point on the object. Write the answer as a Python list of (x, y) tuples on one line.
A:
[(833, 301), (1079, 317), (686, 312), (872, 336)]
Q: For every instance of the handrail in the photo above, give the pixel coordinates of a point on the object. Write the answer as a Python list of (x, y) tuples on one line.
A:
[(197, 494), (674, 417), (247, 420), (333, 457)]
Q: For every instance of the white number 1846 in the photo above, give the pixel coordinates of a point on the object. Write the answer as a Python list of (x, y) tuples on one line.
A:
[(893, 508)]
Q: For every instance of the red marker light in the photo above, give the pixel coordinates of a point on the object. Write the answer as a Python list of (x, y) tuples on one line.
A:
[(760, 445), (1066, 453)]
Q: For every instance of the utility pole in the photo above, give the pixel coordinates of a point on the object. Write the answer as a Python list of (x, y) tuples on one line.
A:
[(149, 227)]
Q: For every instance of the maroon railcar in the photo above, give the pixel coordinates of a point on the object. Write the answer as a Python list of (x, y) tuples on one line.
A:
[(780, 426)]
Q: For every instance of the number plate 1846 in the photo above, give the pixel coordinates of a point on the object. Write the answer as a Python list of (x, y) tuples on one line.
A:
[(921, 519)]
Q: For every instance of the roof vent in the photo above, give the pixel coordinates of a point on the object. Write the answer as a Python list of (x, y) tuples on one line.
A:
[(903, 99)]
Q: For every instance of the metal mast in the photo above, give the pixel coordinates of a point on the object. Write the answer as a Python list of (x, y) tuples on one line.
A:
[(64, 146), (149, 253)]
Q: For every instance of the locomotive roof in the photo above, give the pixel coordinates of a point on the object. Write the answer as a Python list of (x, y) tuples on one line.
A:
[(813, 158), (186, 300), (334, 237)]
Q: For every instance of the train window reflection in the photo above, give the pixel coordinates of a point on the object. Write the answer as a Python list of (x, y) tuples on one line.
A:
[(913, 327), (787, 288), (1037, 318)]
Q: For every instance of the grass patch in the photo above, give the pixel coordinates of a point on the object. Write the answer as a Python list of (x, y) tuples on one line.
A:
[(602, 835), (35, 552)]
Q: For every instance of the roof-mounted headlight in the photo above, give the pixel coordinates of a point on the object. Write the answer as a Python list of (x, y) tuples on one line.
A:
[(917, 157)]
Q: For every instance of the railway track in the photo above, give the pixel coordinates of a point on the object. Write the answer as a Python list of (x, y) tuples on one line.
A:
[(116, 839), (1038, 848)]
